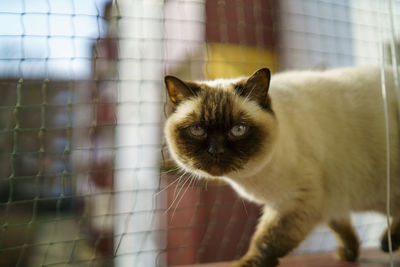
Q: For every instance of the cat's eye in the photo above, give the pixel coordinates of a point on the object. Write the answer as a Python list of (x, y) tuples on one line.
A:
[(197, 131), (239, 130)]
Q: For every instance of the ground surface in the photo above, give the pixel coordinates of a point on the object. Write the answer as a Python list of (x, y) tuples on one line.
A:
[(368, 258)]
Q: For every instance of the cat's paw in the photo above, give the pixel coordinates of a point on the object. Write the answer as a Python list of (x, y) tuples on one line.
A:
[(242, 263), (252, 262), (395, 242), (347, 254)]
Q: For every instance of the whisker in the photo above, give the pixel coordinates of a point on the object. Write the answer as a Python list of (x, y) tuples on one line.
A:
[(180, 177), (155, 194), (176, 197), (183, 194), (195, 180), (244, 206), (172, 170)]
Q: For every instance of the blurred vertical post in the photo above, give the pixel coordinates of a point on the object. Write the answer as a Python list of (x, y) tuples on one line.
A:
[(139, 234)]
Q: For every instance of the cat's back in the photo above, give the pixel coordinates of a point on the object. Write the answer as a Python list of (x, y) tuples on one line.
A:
[(354, 91), (333, 82), (336, 117)]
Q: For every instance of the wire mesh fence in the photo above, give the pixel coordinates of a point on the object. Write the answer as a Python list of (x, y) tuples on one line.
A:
[(85, 178)]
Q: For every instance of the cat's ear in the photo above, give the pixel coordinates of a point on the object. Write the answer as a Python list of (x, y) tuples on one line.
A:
[(256, 87), (178, 90)]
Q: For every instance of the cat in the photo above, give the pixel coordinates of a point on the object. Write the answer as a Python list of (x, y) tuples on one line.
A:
[(307, 145)]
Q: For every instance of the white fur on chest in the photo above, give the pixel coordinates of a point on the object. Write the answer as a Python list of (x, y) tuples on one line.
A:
[(247, 193)]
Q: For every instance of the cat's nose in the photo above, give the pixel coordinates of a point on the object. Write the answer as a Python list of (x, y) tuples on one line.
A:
[(216, 146), (216, 150)]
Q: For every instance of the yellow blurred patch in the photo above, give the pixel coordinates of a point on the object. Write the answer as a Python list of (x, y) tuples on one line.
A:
[(229, 60)]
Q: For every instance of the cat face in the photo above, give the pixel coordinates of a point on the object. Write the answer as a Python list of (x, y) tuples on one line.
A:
[(220, 127)]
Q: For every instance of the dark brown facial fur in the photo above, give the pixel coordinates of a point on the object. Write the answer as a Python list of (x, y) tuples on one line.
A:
[(240, 88), (218, 152)]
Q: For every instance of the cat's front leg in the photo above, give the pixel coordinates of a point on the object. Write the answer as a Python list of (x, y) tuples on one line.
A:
[(348, 244), (395, 236), (276, 235)]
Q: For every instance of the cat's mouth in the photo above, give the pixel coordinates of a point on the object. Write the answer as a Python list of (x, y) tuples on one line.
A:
[(215, 166), (215, 170)]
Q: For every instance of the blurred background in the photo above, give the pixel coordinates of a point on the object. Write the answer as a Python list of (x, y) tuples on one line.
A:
[(85, 177)]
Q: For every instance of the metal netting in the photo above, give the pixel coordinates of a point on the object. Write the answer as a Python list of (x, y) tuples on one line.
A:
[(47, 109), (85, 178)]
